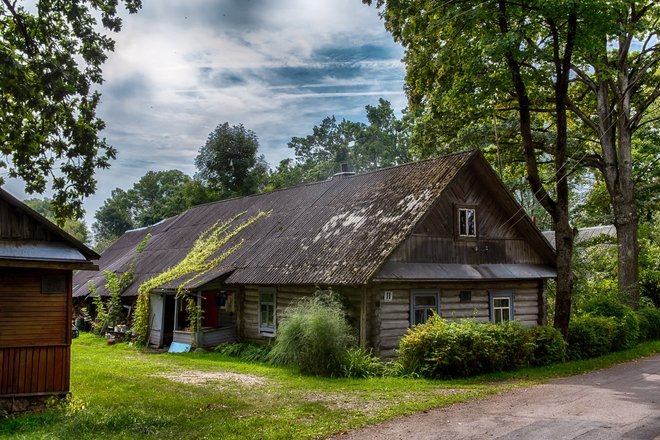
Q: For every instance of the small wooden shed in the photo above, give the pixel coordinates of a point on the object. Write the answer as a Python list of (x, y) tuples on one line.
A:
[(37, 260)]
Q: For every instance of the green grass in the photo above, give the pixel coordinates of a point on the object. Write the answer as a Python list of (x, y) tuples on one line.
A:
[(121, 392)]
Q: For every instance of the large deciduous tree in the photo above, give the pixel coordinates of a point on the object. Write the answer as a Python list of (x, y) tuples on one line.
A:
[(156, 196), (617, 86), (51, 53), (466, 61), (229, 162), (75, 228), (362, 147)]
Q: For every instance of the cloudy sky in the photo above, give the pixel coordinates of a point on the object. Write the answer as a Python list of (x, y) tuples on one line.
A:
[(180, 68)]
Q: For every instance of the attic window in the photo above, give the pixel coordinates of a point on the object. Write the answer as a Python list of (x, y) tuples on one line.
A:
[(467, 225)]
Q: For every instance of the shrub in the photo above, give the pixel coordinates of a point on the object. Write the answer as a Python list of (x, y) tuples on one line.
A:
[(442, 349), (314, 335), (606, 305), (361, 363), (649, 323), (590, 336), (549, 345), (626, 333), (245, 350)]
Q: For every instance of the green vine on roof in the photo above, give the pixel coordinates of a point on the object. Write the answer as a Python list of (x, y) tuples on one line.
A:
[(199, 260)]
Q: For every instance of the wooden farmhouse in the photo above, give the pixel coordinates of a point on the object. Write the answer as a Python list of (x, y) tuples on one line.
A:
[(36, 263), (437, 236)]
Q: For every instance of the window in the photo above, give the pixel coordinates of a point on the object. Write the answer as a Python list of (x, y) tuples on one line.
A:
[(501, 306), (467, 225), (423, 304), (53, 284), (267, 301)]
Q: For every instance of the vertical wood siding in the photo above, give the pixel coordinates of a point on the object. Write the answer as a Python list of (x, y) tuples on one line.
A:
[(16, 225), (34, 370)]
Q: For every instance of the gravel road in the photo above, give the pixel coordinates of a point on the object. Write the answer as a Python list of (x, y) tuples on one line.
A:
[(622, 402)]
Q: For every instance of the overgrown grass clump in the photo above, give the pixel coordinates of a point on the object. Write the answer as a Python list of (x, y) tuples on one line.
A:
[(246, 351), (314, 335), (444, 349)]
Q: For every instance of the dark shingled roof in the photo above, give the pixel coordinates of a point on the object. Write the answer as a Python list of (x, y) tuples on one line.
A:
[(336, 232)]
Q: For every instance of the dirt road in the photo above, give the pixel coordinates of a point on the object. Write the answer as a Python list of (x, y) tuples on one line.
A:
[(622, 402)]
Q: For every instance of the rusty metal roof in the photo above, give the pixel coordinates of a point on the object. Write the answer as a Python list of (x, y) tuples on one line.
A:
[(335, 232)]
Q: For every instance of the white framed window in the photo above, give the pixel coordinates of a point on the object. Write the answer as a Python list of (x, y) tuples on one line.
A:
[(267, 304), (467, 222), (423, 303), (501, 306)]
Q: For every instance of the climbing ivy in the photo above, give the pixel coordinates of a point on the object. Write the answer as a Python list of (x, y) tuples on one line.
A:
[(109, 313), (199, 260)]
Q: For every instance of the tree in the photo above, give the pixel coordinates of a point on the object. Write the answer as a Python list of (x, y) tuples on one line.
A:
[(51, 55), (617, 86), (156, 196), (228, 161), (465, 61), (75, 228), (363, 147)]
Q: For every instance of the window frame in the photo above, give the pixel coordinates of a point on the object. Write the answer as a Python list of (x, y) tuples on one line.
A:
[(268, 330), (500, 294), (467, 235), (423, 292)]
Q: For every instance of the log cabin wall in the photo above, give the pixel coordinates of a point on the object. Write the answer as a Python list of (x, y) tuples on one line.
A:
[(35, 332), (285, 295), (391, 319)]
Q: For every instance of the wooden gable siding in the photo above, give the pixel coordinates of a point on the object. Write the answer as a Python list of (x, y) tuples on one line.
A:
[(16, 225), (392, 318), (35, 334), (498, 240)]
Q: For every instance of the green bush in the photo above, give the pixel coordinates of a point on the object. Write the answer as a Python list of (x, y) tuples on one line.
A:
[(315, 335), (606, 305), (649, 323), (361, 363), (245, 350), (590, 336), (549, 346), (442, 349), (626, 333)]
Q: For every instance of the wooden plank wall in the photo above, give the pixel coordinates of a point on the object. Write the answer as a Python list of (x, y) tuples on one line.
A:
[(15, 225), (35, 335), (28, 317), (34, 370), (391, 319), (499, 239)]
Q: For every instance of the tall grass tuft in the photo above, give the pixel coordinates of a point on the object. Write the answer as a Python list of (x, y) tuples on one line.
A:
[(315, 335)]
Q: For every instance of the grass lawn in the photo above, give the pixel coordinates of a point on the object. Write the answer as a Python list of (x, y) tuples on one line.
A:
[(120, 392)]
